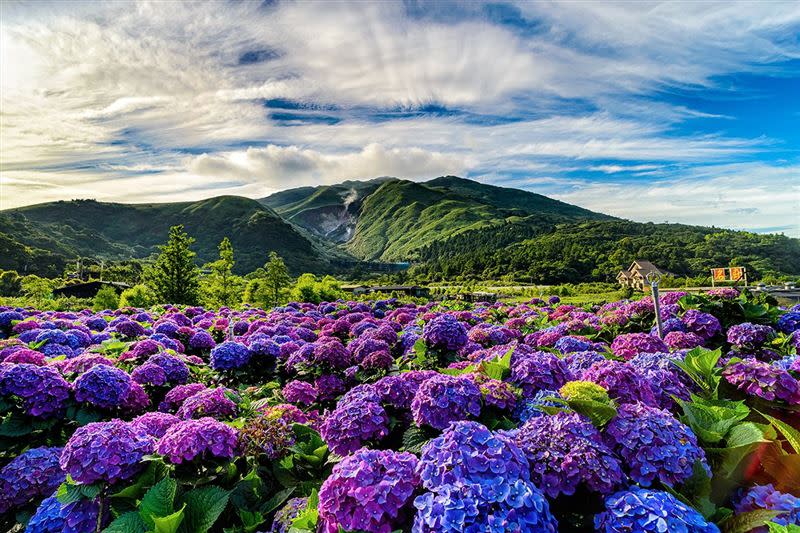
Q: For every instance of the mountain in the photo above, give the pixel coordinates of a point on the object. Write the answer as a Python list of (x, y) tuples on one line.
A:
[(390, 219), (68, 229)]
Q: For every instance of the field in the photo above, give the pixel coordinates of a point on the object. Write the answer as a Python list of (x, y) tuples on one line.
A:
[(539, 414)]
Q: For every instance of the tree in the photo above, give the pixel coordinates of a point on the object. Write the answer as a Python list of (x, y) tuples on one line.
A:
[(106, 298), (38, 288), (174, 275), (276, 276), (10, 283), (221, 287), (137, 296)]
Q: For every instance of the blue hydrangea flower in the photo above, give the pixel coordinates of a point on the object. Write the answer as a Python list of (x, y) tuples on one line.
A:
[(29, 476), (443, 399), (649, 511), (230, 355), (103, 386), (766, 497), (354, 423)]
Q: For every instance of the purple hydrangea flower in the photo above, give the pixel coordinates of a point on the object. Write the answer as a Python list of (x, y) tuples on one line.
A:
[(286, 515), (31, 475), (565, 450), (354, 423), (77, 517), (649, 511), (654, 445), (300, 392), (445, 332), (201, 341), (704, 324), (539, 370), (369, 491), (399, 390), (103, 386), (622, 381), (268, 434), (496, 393), (105, 451), (149, 374), (467, 452), (683, 340), (443, 399), (747, 335), (214, 403), (577, 362), (573, 344), (665, 379), (531, 407), (331, 354), (155, 423), (129, 329), (761, 379), (230, 355), (190, 440), (766, 497), (175, 397), (629, 344), (175, 370), (42, 389)]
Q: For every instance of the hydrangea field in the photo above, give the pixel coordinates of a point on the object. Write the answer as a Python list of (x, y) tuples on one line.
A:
[(387, 416)]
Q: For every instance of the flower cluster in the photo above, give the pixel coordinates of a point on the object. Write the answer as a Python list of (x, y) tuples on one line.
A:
[(191, 440), (369, 491), (761, 379), (34, 474), (623, 383), (267, 434), (629, 344), (566, 450), (649, 511), (105, 451), (445, 332), (103, 386), (354, 423), (654, 445), (443, 399), (230, 355), (286, 515), (767, 497), (42, 389), (300, 392), (215, 403), (704, 324), (747, 335), (535, 371)]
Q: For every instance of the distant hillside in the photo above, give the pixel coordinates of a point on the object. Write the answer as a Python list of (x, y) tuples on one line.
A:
[(597, 250), (122, 231), (328, 211), (391, 219)]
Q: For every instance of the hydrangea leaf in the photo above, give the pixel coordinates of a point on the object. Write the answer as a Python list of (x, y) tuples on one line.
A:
[(746, 522), (204, 506), (169, 523), (129, 522), (276, 501), (791, 435), (157, 502)]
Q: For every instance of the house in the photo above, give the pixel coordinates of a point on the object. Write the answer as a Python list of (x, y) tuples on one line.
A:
[(635, 276), (355, 289), (88, 289)]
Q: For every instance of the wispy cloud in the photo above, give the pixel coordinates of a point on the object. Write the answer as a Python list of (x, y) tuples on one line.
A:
[(155, 101)]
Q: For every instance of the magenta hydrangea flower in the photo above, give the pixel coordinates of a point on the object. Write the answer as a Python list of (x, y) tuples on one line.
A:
[(103, 386), (31, 475), (761, 379), (175, 397), (191, 440), (443, 399), (105, 451), (565, 450), (535, 371), (300, 392), (654, 445), (155, 423), (629, 344), (445, 332), (216, 403), (354, 423), (682, 340), (370, 491), (331, 354)]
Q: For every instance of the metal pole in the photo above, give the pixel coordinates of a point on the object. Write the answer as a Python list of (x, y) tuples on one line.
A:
[(653, 278)]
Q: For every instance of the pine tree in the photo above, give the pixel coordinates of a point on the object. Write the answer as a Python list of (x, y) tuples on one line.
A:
[(174, 275), (277, 276)]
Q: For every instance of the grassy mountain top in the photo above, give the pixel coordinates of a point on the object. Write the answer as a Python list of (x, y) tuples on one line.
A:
[(122, 231)]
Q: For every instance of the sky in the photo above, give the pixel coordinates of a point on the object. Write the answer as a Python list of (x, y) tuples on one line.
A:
[(654, 111)]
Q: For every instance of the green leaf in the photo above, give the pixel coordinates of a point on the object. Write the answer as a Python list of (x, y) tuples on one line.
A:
[(170, 523), (129, 522), (250, 520), (203, 507), (68, 492), (276, 501), (697, 490), (746, 522), (791, 435), (15, 426), (778, 528), (157, 502), (598, 412), (414, 438)]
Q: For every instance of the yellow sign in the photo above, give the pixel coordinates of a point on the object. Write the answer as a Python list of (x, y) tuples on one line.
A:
[(718, 274), (737, 273)]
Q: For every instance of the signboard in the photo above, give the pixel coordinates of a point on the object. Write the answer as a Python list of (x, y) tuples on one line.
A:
[(733, 274)]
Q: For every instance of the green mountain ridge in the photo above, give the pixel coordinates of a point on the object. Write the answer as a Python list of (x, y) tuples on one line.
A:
[(116, 231)]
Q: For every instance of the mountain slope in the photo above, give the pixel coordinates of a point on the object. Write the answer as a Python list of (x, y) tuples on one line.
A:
[(392, 219), (122, 231)]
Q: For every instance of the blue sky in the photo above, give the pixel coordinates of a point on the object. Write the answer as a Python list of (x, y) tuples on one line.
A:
[(682, 112)]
